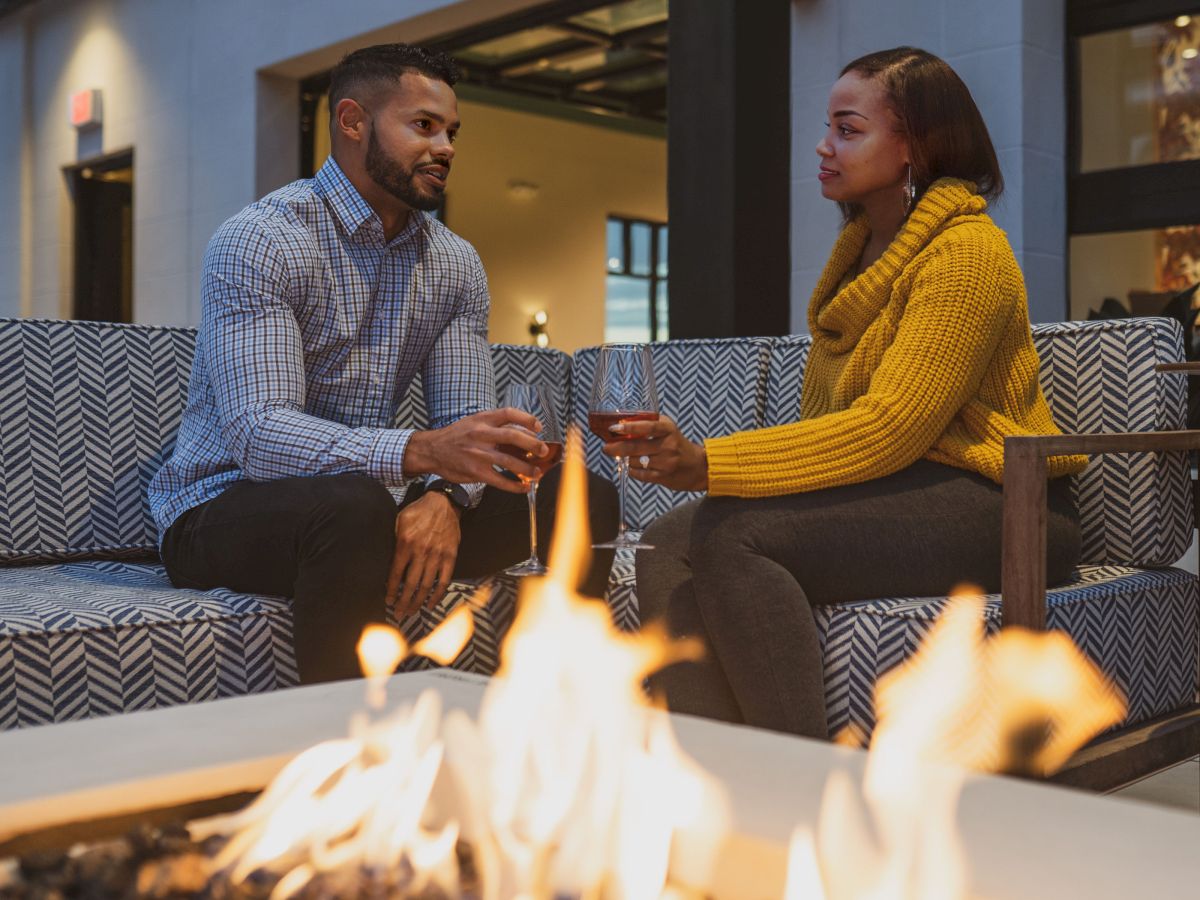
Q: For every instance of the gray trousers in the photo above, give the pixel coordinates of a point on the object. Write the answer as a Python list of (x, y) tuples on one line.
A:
[(743, 575)]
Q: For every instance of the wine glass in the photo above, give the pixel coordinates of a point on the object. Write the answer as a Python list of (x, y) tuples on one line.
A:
[(538, 401), (623, 391)]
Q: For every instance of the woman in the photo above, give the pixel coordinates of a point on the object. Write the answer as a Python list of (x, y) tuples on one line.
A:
[(889, 485)]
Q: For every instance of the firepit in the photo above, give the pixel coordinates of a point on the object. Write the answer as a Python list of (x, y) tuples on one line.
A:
[(1021, 839), (560, 780)]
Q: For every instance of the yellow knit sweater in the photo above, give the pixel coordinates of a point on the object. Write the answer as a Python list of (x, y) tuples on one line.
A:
[(925, 355)]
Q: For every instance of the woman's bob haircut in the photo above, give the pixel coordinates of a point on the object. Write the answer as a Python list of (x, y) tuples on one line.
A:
[(945, 132)]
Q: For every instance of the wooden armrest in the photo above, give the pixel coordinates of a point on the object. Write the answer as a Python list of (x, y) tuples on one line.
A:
[(1023, 560), (1186, 368)]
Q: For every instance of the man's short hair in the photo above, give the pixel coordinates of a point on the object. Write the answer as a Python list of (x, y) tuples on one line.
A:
[(382, 65)]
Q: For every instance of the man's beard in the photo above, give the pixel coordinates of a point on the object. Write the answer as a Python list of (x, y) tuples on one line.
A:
[(396, 180)]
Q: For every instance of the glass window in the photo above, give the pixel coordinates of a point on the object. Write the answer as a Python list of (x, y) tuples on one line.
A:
[(1140, 94), (661, 303), (625, 306), (636, 288), (1132, 272), (623, 16), (639, 248), (616, 246)]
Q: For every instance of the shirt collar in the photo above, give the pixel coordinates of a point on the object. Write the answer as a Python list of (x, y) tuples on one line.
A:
[(351, 210)]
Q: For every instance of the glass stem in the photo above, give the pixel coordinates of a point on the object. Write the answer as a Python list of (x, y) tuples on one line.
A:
[(533, 547), (622, 481)]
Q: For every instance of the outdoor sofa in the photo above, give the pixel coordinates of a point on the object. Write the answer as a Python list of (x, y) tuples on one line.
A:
[(90, 625)]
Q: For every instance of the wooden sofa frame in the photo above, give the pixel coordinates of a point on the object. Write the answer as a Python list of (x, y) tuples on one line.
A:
[(1118, 757)]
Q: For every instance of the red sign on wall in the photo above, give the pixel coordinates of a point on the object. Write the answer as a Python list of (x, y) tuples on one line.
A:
[(85, 109)]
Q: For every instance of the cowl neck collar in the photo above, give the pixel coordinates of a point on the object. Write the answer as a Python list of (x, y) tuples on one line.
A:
[(841, 317)]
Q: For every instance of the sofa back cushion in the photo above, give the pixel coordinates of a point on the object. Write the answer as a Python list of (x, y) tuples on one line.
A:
[(513, 363), (1134, 508), (88, 413), (710, 387), (785, 376)]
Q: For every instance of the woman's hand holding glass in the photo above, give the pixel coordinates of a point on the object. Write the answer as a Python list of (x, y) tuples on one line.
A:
[(659, 453)]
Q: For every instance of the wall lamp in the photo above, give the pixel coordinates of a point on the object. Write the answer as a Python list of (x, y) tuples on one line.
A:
[(537, 328)]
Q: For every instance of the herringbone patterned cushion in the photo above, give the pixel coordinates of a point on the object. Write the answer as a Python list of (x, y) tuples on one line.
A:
[(88, 411), (710, 387), (513, 363), (785, 376), (1136, 508), (87, 639), (1138, 625), (92, 638)]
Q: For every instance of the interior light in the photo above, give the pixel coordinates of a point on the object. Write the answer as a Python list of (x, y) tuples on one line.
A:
[(1183, 21), (614, 263), (522, 190), (537, 328), (1190, 53)]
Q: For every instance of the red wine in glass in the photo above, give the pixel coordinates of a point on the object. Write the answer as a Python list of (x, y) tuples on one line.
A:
[(542, 463), (599, 423), (623, 390)]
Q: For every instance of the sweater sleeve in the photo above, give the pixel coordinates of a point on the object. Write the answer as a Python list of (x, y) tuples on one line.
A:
[(958, 307)]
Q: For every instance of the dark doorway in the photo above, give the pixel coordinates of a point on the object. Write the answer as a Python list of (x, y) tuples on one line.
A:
[(103, 192)]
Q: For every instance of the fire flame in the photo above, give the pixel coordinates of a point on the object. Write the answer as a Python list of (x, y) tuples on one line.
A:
[(570, 783), (1018, 702)]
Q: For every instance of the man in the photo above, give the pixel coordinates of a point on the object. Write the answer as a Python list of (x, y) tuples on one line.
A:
[(320, 303)]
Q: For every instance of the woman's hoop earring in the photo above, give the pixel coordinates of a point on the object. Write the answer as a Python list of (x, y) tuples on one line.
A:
[(910, 190)]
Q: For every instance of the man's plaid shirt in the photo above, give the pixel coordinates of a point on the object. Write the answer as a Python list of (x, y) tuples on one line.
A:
[(312, 328)]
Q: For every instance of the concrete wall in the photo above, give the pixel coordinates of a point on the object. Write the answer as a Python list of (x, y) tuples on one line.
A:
[(1010, 54), (202, 90)]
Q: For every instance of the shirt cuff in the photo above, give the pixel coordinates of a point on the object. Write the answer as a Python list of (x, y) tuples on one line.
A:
[(385, 459), (725, 473)]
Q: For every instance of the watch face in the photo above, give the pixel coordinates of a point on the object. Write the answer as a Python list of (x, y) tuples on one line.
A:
[(455, 493)]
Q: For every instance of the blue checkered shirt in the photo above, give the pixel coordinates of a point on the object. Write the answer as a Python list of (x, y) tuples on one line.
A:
[(312, 328)]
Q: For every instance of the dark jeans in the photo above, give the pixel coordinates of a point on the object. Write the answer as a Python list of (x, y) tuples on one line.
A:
[(744, 575), (327, 542)]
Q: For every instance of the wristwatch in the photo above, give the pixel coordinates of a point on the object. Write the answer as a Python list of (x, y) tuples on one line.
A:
[(455, 493)]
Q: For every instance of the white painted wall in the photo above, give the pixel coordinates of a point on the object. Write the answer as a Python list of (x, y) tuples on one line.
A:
[(1010, 54)]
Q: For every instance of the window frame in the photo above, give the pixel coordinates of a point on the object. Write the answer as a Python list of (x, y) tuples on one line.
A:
[(626, 271), (1129, 198)]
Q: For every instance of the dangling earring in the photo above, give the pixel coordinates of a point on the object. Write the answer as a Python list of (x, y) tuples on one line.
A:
[(910, 190)]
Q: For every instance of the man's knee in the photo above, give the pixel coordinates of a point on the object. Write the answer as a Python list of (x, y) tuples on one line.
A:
[(355, 511)]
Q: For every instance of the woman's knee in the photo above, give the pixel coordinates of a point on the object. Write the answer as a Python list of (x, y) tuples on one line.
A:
[(723, 526), (661, 570)]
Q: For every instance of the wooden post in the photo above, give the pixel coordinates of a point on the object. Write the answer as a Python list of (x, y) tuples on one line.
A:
[(729, 182), (1023, 575)]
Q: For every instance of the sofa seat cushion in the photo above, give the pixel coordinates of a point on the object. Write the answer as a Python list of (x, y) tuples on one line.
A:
[(1140, 625), (92, 638), (86, 639)]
